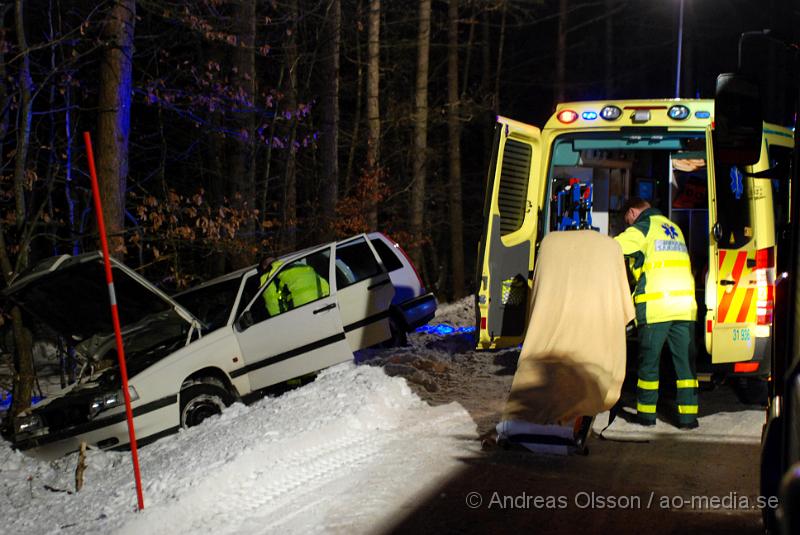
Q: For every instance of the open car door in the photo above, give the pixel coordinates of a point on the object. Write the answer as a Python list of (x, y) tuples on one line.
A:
[(505, 258), (731, 289)]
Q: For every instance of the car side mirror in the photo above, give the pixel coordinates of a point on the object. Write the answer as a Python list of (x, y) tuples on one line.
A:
[(245, 321), (738, 120)]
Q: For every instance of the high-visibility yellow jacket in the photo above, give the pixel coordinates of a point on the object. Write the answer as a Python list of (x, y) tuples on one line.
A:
[(295, 286), (659, 261)]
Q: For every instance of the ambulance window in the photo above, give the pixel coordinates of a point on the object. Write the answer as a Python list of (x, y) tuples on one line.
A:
[(780, 158), (733, 207), (689, 181), (513, 192)]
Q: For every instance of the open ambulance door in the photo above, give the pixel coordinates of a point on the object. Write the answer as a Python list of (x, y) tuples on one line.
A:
[(505, 253), (731, 288)]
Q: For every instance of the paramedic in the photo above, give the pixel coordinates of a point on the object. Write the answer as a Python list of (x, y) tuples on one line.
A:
[(292, 287), (665, 307)]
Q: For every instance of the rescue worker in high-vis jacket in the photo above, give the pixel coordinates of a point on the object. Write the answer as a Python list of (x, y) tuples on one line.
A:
[(665, 307), (294, 286)]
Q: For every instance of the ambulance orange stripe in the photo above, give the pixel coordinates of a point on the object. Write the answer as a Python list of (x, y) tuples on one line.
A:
[(748, 298), (727, 298)]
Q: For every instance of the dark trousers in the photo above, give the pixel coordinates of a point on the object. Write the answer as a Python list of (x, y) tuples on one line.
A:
[(679, 336)]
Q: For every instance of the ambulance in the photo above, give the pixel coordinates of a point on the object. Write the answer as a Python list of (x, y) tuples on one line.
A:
[(577, 173)]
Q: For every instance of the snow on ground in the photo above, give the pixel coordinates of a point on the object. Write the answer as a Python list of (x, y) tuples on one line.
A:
[(347, 453)]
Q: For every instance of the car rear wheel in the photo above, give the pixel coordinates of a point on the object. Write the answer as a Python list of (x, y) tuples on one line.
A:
[(201, 400)]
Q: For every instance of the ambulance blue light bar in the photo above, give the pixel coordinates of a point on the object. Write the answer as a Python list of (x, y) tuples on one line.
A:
[(702, 114), (589, 115)]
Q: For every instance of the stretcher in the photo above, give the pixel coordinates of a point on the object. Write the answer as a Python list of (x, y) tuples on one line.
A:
[(551, 439)]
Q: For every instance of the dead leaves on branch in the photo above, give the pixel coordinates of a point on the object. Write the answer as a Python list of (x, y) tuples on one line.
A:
[(192, 219), (353, 210)]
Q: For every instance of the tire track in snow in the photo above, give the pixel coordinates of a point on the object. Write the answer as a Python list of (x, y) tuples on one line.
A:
[(263, 479)]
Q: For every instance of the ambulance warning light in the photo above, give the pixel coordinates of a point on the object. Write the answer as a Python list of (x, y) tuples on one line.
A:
[(678, 112), (567, 116), (610, 113)]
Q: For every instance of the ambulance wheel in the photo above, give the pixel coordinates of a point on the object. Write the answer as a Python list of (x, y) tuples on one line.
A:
[(201, 400), (753, 390)]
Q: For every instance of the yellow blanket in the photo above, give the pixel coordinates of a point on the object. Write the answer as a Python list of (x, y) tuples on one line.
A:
[(573, 358)]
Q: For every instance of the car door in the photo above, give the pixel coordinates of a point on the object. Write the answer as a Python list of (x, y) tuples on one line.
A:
[(302, 335), (731, 287), (505, 260), (364, 292)]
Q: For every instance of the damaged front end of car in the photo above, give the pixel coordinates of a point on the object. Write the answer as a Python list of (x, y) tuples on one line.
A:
[(70, 297)]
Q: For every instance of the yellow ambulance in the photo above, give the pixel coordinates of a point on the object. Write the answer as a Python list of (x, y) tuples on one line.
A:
[(577, 173)]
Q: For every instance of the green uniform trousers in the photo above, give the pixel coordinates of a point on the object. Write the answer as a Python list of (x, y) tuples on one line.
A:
[(679, 336)]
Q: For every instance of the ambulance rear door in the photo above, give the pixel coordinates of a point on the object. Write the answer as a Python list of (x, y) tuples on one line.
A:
[(505, 256), (731, 289)]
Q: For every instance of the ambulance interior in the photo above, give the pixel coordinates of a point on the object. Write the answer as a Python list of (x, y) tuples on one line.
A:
[(591, 176)]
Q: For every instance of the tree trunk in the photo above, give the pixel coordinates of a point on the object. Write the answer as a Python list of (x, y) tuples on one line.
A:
[(329, 190), (470, 41), (23, 354), (25, 115), (348, 175), (373, 101), (561, 53), (243, 180), (23, 364), (114, 118), (290, 179), (420, 133), (454, 152), (5, 98)]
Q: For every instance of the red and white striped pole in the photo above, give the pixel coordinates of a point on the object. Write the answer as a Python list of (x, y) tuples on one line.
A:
[(123, 370)]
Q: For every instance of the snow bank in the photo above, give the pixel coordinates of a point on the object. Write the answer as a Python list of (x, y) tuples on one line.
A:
[(341, 454)]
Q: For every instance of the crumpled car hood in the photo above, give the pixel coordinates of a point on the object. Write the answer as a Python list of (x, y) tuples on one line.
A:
[(69, 294)]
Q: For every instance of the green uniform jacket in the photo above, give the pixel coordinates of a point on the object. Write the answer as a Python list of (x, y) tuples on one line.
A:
[(659, 260), (293, 287)]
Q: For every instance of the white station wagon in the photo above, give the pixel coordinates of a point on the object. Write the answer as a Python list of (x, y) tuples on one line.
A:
[(190, 356)]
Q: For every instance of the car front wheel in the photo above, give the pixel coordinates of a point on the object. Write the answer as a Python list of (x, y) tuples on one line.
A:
[(199, 401)]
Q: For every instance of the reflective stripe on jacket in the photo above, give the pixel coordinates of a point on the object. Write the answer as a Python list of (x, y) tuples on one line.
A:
[(659, 260)]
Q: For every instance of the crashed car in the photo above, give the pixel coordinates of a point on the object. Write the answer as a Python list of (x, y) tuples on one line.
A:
[(188, 357)]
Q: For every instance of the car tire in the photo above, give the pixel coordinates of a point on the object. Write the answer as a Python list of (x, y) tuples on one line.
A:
[(753, 390), (398, 336), (201, 400)]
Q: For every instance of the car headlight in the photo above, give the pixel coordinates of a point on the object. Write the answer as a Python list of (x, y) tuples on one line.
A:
[(110, 400), (28, 424)]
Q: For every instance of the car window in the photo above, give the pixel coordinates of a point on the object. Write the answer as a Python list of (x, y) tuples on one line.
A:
[(355, 263), (211, 304), (388, 257), (293, 285)]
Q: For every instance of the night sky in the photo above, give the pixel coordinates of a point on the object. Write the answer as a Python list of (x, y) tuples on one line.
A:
[(645, 37)]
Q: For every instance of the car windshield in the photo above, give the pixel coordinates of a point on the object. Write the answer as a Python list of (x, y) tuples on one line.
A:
[(211, 304)]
